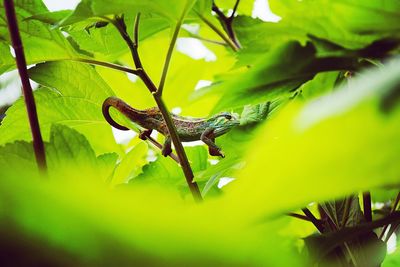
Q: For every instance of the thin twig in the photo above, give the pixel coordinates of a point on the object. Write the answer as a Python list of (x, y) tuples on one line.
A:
[(219, 32), (394, 207), (169, 56), (299, 216), (26, 86), (367, 206), (234, 10), (347, 203), (227, 21), (207, 40), (313, 219), (107, 65)]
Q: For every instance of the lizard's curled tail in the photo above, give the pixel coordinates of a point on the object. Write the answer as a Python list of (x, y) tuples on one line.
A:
[(115, 103)]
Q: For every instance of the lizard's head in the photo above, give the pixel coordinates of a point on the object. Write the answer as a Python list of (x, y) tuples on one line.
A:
[(223, 122)]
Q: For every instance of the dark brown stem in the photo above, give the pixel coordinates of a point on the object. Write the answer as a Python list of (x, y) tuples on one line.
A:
[(313, 219), (228, 21), (347, 203), (394, 207), (298, 216), (184, 162), (367, 206), (26, 86), (393, 228)]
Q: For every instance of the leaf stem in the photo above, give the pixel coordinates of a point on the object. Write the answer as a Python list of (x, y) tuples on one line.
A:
[(26, 86), (227, 21), (107, 65), (313, 219), (395, 204), (367, 206), (169, 56), (219, 32)]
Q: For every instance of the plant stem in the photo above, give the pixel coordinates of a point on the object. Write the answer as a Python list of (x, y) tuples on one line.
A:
[(187, 170), (367, 206), (347, 204), (207, 40), (227, 21), (299, 216), (219, 32), (183, 160), (26, 86), (395, 204), (107, 65), (313, 219), (169, 56)]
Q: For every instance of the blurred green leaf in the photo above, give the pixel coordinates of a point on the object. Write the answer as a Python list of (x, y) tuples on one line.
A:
[(292, 153)]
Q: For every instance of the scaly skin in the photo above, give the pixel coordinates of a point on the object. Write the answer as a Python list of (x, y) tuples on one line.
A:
[(189, 129)]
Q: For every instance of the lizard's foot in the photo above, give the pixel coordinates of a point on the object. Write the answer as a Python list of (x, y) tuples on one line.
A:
[(166, 150), (146, 133), (216, 152)]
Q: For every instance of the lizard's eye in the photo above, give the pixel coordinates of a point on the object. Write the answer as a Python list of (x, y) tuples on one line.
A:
[(228, 117)]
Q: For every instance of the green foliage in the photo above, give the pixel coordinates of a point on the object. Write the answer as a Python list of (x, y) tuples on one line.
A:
[(317, 95)]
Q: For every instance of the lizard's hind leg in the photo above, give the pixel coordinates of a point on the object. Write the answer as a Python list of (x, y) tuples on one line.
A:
[(209, 139)]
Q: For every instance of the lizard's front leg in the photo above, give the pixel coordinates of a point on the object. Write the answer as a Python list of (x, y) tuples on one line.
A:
[(166, 149), (145, 134), (208, 138)]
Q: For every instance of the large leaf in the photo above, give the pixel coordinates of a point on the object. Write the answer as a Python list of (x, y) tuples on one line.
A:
[(340, 143), (271, 79), (76, 102), (352, 24), (40, 42)]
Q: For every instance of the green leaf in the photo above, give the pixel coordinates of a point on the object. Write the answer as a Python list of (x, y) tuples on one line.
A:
[(76, 102), (82, 222), (107, 40), (131, 165), (352, 24), (67, 151), (70, 152), (172, 10), (244, 7), (40, 42), (14, 155), (165, 171), (318, 144), (271, 79)]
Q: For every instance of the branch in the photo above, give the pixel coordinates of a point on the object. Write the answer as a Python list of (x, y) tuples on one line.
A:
[(219, 32), (107, 65), (227, 21), (184, 162), (26, 86), (169, 55), (313, 219), (395, 204), (367, 206)]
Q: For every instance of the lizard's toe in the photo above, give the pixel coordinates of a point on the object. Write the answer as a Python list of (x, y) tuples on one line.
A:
[(216, 152), (166, 151)]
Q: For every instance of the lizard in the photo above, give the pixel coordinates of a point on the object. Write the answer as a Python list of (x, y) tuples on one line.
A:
[(189, 129)]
